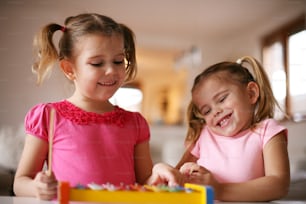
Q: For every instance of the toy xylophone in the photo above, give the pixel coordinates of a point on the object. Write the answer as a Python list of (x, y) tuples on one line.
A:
[(190, 193)]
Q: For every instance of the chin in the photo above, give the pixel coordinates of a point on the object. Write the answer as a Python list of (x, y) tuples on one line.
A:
[(226, 133)]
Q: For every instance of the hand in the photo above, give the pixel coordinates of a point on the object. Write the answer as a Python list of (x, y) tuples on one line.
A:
[(46, 186), (165, 174), (195, 173)]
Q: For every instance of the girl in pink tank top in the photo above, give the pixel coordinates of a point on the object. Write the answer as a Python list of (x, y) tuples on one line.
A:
[(233, 142)]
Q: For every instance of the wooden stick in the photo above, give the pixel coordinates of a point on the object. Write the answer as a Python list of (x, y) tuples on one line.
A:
[(50, 137)]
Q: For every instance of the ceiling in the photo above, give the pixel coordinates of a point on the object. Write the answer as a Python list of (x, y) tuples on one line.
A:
[(166, 28), (179, 23), (171, 25)]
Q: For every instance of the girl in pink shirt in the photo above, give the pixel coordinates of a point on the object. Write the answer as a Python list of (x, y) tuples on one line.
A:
[(93, 140), (233, 144)]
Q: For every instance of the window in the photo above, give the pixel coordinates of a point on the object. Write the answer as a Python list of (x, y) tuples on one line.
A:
[(297, 74), (284, 58), (128, 98)]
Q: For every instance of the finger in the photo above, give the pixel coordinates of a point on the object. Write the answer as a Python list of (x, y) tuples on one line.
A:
[(46, 188), (171, 179), (200, 169), (175, 180), (48, 175), (46, 196), (46, 178), (195, 168), (156, 180), (185, 169), (198, 179), (45, 182), (46, 193)]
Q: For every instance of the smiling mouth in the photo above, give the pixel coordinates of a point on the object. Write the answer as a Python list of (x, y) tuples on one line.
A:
[(224, 120), (107, 83)]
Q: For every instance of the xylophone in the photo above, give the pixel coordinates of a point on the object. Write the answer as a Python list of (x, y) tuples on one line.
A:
[(190, 193)]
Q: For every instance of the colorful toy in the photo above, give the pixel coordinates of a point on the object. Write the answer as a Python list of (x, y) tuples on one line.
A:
[(190, 193)]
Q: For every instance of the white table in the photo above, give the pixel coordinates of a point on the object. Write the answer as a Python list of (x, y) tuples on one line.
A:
[(26, 200)]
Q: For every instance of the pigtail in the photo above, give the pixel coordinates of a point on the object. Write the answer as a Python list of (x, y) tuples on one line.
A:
[(46, 52), (266, 102), (130, 52), (195, 125)]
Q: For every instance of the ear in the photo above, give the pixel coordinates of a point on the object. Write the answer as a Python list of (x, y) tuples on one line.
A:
[(253, 92), (67, 68)]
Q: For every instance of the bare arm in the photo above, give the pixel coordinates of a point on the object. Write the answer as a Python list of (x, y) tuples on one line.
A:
[(274, 185), (29, 180), (187, 157), (143, 162)]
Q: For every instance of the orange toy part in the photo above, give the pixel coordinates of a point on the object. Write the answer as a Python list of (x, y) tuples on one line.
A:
[(63, 192)]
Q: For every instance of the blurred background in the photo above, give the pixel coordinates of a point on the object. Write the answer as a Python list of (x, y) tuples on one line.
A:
[(176, 39)]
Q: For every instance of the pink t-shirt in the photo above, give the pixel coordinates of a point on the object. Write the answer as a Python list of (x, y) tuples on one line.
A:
[(238, 158), (90, 147)]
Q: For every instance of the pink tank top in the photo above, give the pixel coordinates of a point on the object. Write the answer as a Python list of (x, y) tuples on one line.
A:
[(238, 158)]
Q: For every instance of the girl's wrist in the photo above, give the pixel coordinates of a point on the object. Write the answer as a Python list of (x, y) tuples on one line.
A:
[(219, 190)]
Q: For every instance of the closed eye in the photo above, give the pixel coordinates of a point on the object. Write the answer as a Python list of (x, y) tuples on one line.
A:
[(97, 64), (118, 62), (222, 99), (101, 64), (206, 111)]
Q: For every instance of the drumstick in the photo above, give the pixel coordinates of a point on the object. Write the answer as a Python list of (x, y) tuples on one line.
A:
[(50, 137)]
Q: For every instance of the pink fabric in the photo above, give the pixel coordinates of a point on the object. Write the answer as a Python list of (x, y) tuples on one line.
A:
[(238, 158), (90, 147)]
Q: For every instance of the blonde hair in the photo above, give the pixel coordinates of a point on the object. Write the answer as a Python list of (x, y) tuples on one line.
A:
[(236, 73), (75, 27)]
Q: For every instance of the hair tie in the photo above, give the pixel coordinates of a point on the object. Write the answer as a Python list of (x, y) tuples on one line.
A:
[(239, 61), (63, 29)]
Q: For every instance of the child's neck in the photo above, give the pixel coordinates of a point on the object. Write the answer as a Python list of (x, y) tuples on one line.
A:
[(91, 106)]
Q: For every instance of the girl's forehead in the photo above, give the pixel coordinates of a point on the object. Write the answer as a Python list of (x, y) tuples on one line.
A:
[(95, 43), (216, 80), (219, 79), (211, 86), (100, 39)]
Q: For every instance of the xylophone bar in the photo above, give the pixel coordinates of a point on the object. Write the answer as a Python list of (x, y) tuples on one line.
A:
[(198, 195)]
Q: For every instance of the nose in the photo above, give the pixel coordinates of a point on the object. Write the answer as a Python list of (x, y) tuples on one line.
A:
[(217, 111), (110, 69)]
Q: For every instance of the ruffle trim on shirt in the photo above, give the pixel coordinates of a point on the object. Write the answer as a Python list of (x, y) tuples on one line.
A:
[(81, 117)]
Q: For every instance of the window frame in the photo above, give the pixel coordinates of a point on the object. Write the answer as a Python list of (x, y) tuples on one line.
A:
[(282, 35)]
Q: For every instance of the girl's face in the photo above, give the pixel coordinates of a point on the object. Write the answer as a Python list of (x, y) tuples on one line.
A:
[(227, 108), (98, 66)]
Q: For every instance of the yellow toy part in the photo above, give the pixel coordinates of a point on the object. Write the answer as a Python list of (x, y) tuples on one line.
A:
[(195, 194)]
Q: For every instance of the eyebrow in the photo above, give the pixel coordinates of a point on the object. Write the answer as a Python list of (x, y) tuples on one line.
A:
[(116, 55)]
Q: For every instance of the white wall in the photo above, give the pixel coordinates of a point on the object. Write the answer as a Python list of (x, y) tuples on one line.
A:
[(17, 84), (297, 145)]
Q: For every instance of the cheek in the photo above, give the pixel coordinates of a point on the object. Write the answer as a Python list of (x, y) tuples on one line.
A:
[(86, 80), (209, 120), (242, 103), (122, 71), (92, 74), (234, 101), (122, 75)]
